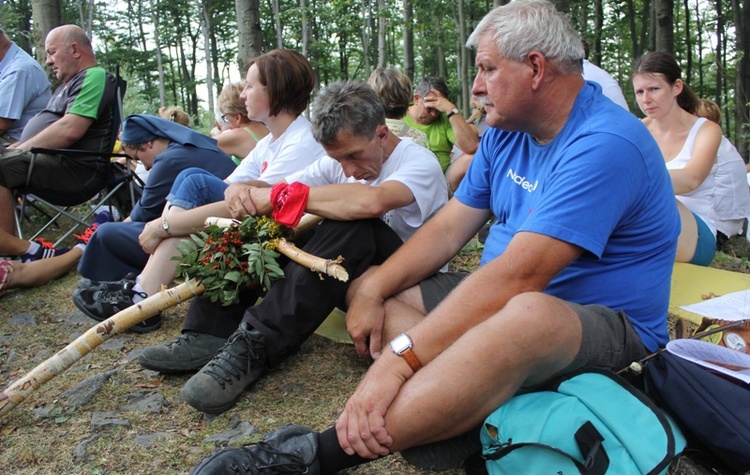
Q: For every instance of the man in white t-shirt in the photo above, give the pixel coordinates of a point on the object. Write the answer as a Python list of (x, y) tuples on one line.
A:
[(610, 87), (374, 191)]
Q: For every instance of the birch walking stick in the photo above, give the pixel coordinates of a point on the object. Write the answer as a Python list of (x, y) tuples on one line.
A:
[(20, 390)]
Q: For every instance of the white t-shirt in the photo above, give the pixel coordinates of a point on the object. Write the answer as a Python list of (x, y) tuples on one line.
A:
[(610, 87), (411, 164), (272, 160), (731, 193)]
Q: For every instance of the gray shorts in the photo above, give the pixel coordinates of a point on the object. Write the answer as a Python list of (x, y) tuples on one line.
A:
[(608, 340)]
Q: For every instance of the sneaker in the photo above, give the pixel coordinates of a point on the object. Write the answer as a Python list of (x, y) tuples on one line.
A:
[(291, 449), (45, 251), (188, 352), (240, 363), (100, 218), (102, 304), (94, 285)]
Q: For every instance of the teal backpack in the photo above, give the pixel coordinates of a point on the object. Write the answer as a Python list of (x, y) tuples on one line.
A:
[(590, 422)]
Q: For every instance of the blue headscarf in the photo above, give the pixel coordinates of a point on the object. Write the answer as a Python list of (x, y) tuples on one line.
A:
[(141, 128)]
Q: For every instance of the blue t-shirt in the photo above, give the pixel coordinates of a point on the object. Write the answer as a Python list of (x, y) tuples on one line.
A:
[(24, 89), (601, 184)]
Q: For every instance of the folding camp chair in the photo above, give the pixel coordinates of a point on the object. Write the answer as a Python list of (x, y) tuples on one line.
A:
[(118, 192)]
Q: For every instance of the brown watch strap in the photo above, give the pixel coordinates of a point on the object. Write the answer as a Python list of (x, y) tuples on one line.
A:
[(411, 359)]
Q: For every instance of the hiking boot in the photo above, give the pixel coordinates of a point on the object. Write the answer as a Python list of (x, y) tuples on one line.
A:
[(446, 454), (100, 218), (188, 352), (94, 285), (290, 449), (102, 304), (240, 363), (46, 250)]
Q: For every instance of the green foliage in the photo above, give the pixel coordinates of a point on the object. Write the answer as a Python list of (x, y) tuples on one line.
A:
[(226, 260)]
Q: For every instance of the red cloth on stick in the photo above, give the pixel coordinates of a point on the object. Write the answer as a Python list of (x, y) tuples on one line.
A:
[(289, 201)]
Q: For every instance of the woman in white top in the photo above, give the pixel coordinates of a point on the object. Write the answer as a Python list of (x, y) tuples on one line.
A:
[(277, 90), (689, 145)]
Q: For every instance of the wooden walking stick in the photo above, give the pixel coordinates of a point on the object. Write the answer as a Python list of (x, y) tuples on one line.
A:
[(267, 234)]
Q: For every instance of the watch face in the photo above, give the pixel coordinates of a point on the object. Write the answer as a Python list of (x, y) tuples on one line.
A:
[(401, 343)]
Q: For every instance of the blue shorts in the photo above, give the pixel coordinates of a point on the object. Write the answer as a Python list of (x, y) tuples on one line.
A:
[(705, 248), (195, 187)]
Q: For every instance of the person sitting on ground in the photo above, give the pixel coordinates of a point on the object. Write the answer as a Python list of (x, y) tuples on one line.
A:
[(610, 87), (166, 148), (242, 134), (24, 89), (174, 114), (582, 281), (374, 190), (46, 264), (460, 161), (689, 145), (79, 116), (197, 194), (435, 115), (394, 89), (731, 193)]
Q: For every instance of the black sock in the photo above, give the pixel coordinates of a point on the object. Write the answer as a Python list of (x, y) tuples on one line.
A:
[(332, 457)]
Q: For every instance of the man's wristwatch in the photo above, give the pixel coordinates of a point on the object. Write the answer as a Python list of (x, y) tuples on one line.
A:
[(452, 113), (402, 346), (165, 225)]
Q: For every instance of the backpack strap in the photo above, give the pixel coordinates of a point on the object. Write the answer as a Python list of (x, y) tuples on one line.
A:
[(596, 460)]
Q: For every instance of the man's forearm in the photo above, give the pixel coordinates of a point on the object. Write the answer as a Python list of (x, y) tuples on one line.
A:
[(61, 134), (466, 137)]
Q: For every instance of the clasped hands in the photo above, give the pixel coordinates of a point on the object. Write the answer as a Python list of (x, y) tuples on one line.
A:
[(243, 200)]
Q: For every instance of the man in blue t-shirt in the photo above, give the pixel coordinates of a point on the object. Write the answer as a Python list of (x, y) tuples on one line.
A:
[(24, 89), (575, 272)]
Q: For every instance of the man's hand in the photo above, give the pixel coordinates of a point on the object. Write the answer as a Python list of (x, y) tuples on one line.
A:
[(151, 236), (364, 322), (435, 100), (239, 200), (361, 427)]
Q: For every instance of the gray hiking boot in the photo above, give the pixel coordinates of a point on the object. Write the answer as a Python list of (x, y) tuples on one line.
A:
[(240, 363), (188, 352), (291, 449)]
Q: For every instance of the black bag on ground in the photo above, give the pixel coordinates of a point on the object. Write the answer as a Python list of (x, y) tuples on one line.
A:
[(711, 408)]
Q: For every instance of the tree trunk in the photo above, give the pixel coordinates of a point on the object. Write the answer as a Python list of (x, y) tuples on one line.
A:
[(665, 26), (382, 41), (688, 44), (277, 24), (46, 14), (250, 37), (366, 37), (209, 67), (463, 56), (155, 19), (718, 54), (596, 57), (409, 39), (305, 28), (742, 82)]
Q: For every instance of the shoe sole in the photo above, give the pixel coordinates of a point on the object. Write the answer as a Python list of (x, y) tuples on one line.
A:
[(173, 367), (134, 329), (196, 403)]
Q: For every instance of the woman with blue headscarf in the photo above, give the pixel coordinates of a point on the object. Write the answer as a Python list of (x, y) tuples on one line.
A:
[(166, 149)]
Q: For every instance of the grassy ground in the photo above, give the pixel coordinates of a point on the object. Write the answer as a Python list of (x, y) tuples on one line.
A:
[(46, 435)]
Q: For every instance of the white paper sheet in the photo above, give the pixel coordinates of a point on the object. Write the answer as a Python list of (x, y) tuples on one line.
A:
[(703, 353), (734, 306)]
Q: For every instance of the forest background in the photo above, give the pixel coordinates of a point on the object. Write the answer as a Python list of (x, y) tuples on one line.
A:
[(182, 52)]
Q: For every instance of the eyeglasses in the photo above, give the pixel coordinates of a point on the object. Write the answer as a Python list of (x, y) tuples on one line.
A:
[(224, 117)]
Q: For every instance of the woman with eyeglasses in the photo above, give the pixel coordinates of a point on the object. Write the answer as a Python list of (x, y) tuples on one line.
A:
[(239, 135)]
